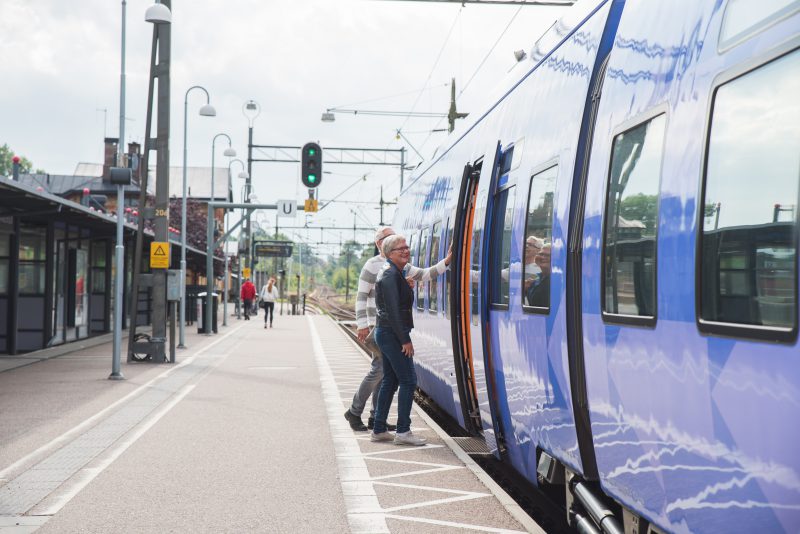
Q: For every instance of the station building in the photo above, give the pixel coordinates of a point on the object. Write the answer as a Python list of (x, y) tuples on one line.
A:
[(57, 240)]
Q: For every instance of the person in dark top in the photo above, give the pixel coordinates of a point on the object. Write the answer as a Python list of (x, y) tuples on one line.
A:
[(393, 300), (539, 294)]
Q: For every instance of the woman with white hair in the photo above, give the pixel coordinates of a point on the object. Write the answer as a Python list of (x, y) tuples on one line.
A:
[(394, 299)]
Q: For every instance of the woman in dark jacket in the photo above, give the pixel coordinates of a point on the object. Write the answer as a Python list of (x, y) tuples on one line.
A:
[(393, 299)]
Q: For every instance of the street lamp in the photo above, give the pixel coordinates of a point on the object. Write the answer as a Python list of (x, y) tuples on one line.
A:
[(251, 109), (242, 174), (158, 14), (206, 111)]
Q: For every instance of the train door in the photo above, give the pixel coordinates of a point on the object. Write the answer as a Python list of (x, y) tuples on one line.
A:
[(498, 276), (460, 300)]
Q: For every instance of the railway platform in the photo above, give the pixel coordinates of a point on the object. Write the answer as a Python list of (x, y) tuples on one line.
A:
[(245, 433)]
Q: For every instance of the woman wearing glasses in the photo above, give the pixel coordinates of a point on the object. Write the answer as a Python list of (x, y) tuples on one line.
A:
[(393, 299)]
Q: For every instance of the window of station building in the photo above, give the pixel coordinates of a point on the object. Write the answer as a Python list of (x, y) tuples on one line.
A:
[(6, 229), (32, 255), (538, 238), (423, 247), (500, 247), (631, 220), (747, 268), (98, 277), (433, 291)]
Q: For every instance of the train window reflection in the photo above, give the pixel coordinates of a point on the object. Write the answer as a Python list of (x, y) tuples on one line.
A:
[(744, 18), (475, 261), (538, 236), (748, 260), (501, 246), (433, 291), (631, 220), (423, 248)]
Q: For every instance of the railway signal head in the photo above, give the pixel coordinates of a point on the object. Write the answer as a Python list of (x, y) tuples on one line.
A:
[(311, 165)]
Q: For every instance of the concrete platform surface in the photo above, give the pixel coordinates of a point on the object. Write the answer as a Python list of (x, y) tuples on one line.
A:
[(244, 434)]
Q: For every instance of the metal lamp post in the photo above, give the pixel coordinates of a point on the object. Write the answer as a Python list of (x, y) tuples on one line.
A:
[(116, 372), (206, 111), (251, 110), (242, 174)]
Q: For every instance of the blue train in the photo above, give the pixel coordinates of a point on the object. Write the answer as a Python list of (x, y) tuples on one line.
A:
[(620, 319)]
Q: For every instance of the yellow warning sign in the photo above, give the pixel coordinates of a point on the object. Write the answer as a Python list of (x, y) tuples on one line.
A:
[(246, 272), (159, 255), (311, 205)]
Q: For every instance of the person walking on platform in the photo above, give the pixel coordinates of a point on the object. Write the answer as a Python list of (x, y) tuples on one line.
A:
[(248, 293), (269, 294), (393, 301), (365, 318)]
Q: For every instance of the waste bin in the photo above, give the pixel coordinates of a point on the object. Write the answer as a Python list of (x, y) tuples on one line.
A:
[(201, 311), (293, 302)]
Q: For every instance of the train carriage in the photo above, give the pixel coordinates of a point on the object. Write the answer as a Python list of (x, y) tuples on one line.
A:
[(620, 316)]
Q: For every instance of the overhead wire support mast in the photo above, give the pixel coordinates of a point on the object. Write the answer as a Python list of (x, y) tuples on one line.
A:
[(346, 156)]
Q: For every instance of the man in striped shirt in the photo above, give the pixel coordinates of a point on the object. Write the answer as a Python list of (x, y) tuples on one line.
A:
[(365, 319)]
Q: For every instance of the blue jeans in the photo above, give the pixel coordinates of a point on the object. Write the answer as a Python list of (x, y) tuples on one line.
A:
[(371, 383), (398, 371)]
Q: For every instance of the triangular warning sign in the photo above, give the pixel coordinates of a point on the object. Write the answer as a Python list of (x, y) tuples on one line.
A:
[(159, 251)]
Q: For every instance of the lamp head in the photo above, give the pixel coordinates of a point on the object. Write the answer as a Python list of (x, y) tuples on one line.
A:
[(328, 117), (229, 152), (519, 55), (208, 111), (158, 14), (243, 175)]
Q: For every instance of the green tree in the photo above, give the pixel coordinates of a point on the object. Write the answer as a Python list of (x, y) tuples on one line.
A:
[(6, 163), (641, 208)]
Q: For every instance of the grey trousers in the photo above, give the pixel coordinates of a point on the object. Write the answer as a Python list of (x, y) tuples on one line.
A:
[(371, 383)]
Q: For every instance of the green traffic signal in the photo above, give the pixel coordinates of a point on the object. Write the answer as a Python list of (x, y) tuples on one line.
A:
[(312, 178), (311, 151)]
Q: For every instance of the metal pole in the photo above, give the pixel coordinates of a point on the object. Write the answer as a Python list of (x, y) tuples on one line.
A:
[(184, 200), (247, 228), (161, 222), (402, 165), (209, 268), (225, 253), (116, 373)]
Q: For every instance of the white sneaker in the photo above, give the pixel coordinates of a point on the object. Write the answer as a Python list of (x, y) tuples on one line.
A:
[(383, 436), (407, 438)]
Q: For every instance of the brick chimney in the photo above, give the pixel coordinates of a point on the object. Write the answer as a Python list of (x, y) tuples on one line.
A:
[(109, 156)]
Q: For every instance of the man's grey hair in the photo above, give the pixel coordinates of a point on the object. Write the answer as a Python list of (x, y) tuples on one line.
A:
[(390, 243), (379, 233)]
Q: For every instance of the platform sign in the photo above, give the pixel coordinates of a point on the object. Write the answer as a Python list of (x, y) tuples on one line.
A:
[(159, 255), (311, 205), (287, 208), (246, 272), (273, 249)]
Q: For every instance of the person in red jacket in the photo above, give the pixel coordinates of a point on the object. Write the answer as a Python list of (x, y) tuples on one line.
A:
[(248, 294)]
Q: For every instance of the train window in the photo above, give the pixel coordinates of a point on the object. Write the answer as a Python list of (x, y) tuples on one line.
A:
[(748, 247), (501, 247), (631, 219), (423, 247), (744, 18), (447, 280), (433, 292), (475, 262), (538, 236)]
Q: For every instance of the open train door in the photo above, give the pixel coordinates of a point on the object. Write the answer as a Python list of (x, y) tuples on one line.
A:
[(467, 307), (460, 297)]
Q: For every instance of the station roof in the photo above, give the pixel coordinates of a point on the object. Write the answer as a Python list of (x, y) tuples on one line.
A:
[(18, 199), (198, 180)]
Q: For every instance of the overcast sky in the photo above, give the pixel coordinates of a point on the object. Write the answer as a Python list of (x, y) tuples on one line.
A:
[(61, 68)]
